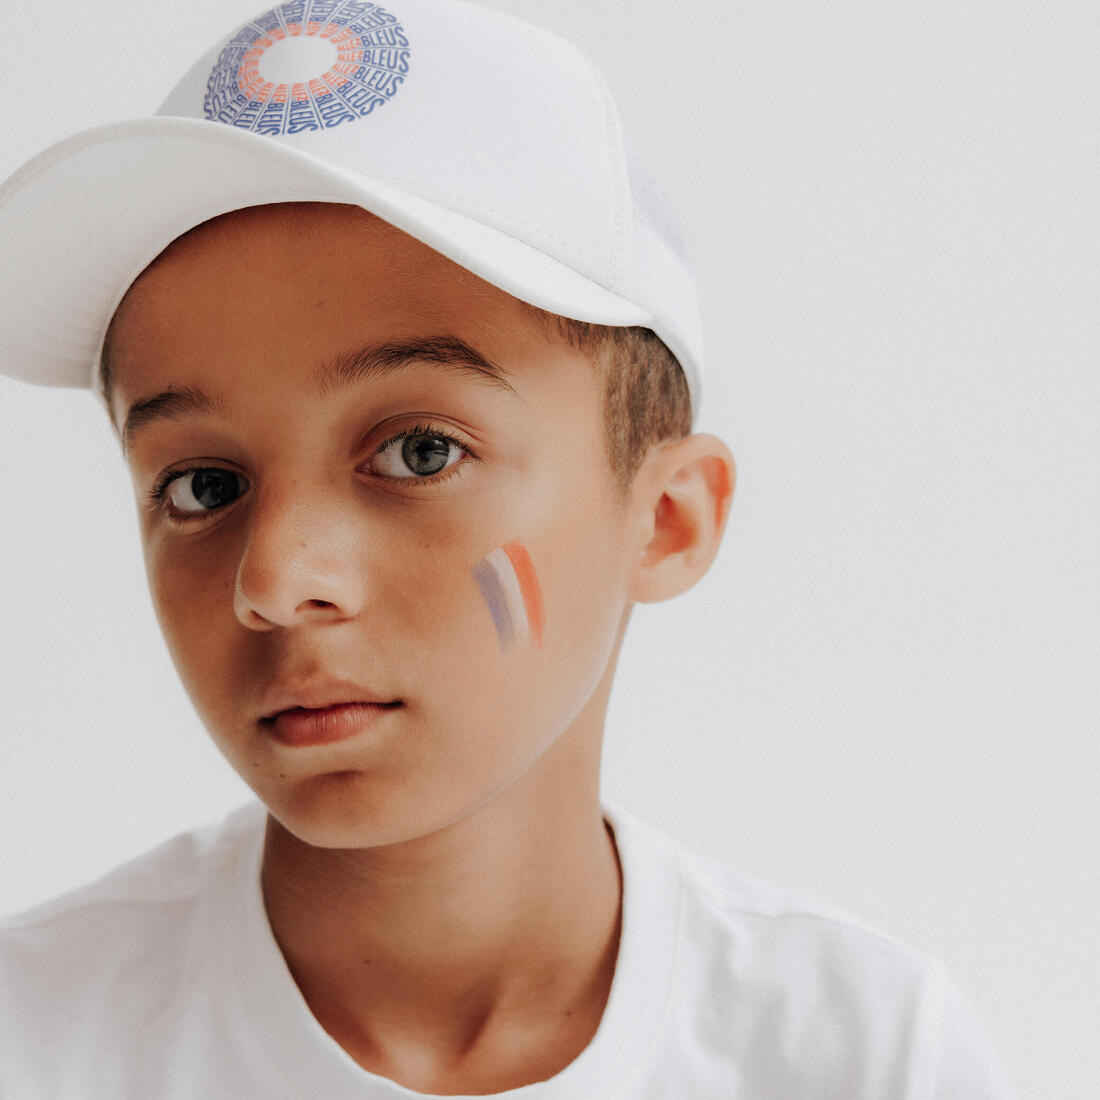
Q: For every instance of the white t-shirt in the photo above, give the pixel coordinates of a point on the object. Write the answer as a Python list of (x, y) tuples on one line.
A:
[(163, 980)]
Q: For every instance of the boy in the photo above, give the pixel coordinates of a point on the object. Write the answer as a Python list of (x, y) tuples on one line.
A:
[(404, 376)]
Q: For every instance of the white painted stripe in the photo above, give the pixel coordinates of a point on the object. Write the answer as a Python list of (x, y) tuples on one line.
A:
[(500, 561)]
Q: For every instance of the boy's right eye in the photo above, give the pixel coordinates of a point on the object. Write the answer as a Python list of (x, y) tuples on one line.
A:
[(201, 489)]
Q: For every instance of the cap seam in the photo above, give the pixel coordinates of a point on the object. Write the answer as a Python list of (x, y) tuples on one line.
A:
[(622, 196)]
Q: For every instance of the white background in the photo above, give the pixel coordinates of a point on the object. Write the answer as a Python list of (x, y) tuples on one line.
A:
[(885, 692)]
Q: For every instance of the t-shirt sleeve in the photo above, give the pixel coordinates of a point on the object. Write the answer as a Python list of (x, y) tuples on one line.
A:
[(969, 1067)]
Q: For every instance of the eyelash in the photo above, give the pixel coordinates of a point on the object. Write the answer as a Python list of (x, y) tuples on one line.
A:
[(158, 494), (434, 433)]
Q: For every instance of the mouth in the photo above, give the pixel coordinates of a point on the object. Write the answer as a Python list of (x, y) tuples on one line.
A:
[(301, 726)]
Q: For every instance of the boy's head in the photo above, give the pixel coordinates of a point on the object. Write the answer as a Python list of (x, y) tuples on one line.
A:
[(365, 475), (396, 501)]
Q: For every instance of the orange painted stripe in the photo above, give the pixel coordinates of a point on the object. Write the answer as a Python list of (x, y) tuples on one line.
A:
[(528, 586)]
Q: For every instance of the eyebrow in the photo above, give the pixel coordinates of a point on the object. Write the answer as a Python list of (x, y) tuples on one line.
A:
[(169, 405), (366, 364), (379, 360)]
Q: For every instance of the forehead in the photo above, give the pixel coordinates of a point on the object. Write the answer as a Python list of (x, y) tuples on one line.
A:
[(310, 282)]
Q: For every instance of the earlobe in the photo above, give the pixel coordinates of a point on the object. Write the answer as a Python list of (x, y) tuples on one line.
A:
[(683, 499)]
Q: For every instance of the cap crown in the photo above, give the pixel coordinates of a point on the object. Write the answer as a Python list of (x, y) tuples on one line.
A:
[(490, 140), (468, 108)]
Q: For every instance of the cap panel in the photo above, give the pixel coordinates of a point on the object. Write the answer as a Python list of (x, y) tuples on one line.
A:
[(480, 113)]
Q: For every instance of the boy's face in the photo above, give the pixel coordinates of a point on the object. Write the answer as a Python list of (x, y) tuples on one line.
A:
[(307, 554)]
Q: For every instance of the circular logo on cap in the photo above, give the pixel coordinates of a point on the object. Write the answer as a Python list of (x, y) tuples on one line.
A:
[(308, 65)]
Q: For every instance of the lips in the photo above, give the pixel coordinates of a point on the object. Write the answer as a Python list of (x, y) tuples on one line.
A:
[(317, 713), (301, 726)]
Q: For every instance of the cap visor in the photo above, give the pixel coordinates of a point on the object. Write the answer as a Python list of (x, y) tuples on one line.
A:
[(83, 219)]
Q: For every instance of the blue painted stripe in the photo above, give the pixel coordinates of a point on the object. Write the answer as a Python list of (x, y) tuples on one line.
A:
[(489, 583)]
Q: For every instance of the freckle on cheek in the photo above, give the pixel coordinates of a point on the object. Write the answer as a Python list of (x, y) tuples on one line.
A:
[(510, 586)]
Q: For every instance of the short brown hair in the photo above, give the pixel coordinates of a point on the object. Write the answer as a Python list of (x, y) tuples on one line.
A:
[(645, 393)]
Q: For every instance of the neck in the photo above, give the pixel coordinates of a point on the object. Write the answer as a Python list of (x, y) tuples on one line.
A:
[(504, 923)]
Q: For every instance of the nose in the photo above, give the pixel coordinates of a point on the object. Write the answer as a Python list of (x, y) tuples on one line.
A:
[(299, 565)]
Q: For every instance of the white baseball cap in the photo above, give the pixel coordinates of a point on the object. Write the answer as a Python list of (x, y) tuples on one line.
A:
[(490, 140)]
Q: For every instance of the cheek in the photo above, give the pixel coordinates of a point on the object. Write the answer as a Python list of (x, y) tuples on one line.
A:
[(585, 608), (192, 595), (583, 572), (554, 612)]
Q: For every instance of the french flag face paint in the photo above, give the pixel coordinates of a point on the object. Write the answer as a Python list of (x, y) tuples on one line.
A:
[(511, 589)]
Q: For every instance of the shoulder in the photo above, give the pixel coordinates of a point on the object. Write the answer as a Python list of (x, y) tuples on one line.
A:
[(61, 956), (776, 921), (170, 872), (800, 998), (747, 918)]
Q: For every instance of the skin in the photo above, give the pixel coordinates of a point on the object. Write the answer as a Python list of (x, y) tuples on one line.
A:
[(443, 886)]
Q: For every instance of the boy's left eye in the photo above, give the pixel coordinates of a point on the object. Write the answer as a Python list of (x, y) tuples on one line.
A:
[(417, 455)]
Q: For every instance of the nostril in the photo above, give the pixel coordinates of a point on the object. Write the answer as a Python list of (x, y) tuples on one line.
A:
[(316, 605)]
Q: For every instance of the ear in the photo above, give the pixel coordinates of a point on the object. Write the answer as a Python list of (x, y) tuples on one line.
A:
[(681, 499)]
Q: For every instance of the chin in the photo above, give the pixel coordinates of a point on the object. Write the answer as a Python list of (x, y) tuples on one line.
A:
[(346, 809)]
